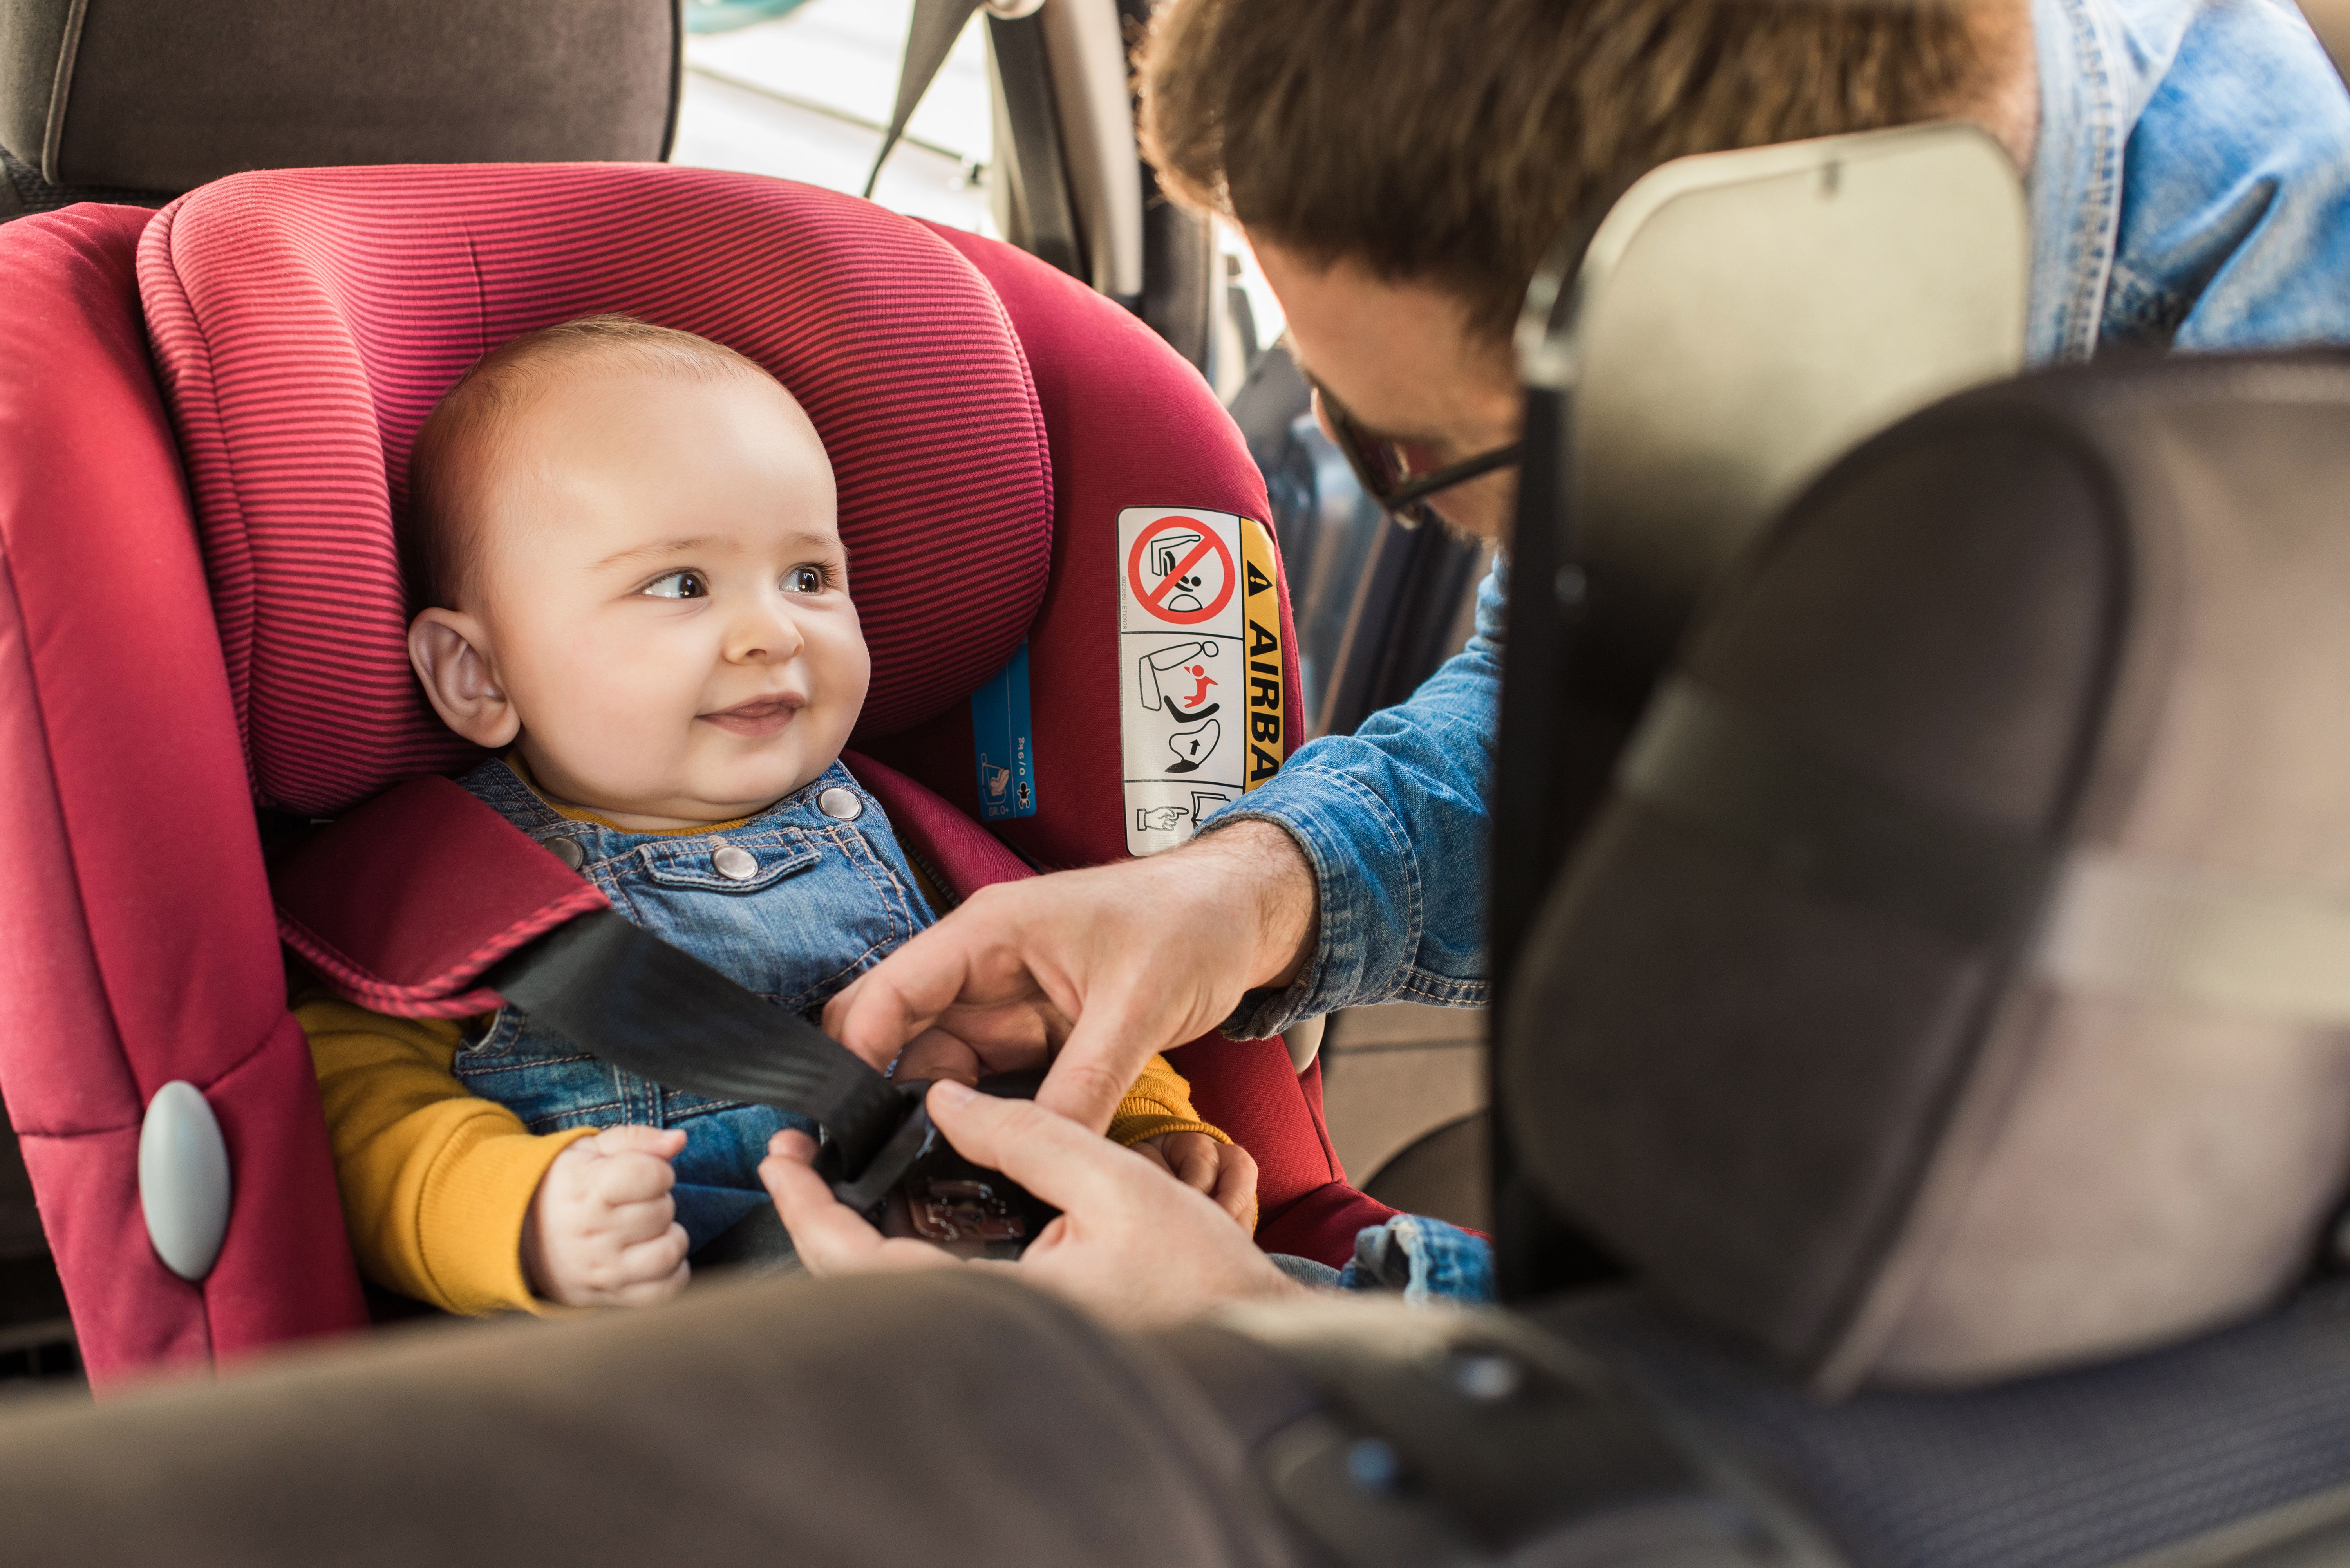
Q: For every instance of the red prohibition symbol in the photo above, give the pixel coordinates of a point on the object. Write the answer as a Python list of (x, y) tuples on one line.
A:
[(1154, 598)]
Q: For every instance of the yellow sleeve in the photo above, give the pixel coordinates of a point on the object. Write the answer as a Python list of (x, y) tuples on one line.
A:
[(435, 1181), (1158, 1103)]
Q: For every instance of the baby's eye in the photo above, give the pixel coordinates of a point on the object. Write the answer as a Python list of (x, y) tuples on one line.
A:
[(805, 579), (679, 585)]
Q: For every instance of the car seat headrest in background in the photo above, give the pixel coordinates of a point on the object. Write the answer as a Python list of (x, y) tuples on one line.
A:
[(1957, 981), (165, 95), (304, 322)]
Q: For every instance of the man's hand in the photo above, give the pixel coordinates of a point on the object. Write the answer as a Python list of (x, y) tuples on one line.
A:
[(1225, 1171), (1132, 1247), (1092, 971), (602, 1228)]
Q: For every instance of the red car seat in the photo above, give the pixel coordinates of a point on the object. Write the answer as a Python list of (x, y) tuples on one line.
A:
[(195, 618)]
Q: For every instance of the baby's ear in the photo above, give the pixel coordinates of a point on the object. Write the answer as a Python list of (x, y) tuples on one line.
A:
[(446, 647)]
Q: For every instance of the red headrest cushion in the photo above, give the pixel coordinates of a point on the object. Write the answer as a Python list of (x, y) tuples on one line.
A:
[(306, 321)]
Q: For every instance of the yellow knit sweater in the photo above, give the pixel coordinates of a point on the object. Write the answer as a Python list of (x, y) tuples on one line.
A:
[(436, 1181)]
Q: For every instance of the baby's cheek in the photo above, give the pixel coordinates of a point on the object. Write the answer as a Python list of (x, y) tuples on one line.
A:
[(619, 729), (842, 673)]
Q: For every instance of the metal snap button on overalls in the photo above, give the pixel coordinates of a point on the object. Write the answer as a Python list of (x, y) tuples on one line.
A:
[(841, 804), (568, 851), (735, 863)]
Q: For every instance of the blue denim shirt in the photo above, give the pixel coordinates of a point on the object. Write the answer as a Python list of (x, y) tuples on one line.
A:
[(792, 903), (2190, 189)]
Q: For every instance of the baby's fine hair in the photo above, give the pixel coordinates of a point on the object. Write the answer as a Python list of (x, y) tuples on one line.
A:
[(436, 533)]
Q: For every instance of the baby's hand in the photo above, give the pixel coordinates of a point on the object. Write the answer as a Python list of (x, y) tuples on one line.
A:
[(1224, 1171), (602, 1228)]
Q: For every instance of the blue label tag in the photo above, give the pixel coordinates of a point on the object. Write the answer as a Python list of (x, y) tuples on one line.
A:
[(1000, 734)]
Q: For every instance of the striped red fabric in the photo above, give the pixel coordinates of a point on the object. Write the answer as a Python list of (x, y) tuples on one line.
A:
[(304, 322)]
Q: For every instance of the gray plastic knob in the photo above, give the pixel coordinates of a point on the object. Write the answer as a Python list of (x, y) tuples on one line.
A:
[(183, 1180)]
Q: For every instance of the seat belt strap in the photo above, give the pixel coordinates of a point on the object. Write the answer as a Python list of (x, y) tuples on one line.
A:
[(929, 38), (620, 993), (1035, 164)]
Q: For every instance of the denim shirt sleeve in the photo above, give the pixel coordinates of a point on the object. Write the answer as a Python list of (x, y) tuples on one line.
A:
[(1426, 1259), (1394, 820), (2234, 227)]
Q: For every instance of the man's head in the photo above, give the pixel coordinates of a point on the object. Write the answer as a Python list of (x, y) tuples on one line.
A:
[(625, 543), (1402, 169)]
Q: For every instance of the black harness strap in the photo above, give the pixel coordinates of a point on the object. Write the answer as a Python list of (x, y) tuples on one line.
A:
[(627, 996)]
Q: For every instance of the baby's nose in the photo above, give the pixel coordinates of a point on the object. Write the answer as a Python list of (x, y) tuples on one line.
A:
[(768, 633)]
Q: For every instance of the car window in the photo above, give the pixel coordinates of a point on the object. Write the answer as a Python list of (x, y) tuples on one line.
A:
[(804, 91)]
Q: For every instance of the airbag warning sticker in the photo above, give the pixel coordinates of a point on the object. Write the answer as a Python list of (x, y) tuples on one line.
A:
[(1201, 705)]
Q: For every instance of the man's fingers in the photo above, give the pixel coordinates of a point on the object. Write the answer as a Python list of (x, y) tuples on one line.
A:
[(938, 1054), (1051, 1156), (1104, 1049), (1083, 1087), (1022, 1030), (1149, 1150), (829, 1238), (892, 1003), (663, 1143), (836, 1012)]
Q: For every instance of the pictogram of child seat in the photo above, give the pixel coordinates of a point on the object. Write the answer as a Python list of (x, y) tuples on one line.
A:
[(205, 419)]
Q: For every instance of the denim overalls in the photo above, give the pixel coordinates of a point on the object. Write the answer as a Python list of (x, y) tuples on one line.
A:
[(792, 903)]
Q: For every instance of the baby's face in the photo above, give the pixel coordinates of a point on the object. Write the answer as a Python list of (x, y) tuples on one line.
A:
[(664, 596)]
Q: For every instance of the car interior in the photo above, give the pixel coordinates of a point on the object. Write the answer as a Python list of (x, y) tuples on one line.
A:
[(1912, 1120)]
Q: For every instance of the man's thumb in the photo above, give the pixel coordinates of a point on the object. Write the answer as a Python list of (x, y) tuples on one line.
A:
[(1090, 1073), (664, 1142)]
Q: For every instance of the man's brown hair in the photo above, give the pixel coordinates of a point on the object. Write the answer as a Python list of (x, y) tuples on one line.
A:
[(1452, 143), (437, 536)]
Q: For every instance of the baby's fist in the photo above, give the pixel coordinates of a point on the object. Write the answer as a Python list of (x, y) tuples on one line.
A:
[(1224, 1171), (602, 1228)]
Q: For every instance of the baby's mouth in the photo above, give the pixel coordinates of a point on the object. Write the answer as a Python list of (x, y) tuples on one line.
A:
[(760, 716)]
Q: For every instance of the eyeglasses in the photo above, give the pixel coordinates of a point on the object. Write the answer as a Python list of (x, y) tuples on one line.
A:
[(1379, 466)]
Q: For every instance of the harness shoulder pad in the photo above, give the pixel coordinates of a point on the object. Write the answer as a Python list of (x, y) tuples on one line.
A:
[(403, 904)]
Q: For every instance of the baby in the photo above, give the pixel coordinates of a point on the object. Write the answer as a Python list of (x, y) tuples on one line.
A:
[(635, 593)]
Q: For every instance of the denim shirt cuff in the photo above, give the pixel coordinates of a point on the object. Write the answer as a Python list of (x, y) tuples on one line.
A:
[(1356, 847), (1425, 1259)]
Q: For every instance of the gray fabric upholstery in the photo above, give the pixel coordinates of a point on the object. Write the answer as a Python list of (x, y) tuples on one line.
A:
[(946, 1420), (165, 95), (2065, 1471)]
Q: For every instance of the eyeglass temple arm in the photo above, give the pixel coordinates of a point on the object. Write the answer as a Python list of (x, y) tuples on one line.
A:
[(1457, 473)]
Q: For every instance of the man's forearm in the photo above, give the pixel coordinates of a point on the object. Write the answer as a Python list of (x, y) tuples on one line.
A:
[(1283, 902)]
